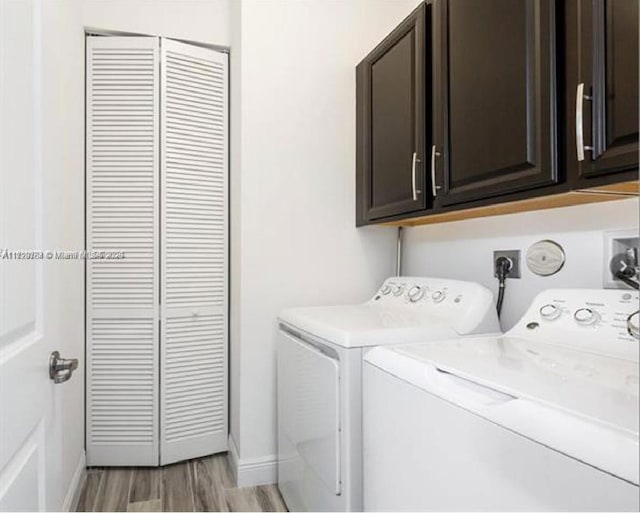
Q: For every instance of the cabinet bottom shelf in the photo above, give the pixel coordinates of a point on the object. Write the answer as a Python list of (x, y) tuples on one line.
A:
[(618, 191)]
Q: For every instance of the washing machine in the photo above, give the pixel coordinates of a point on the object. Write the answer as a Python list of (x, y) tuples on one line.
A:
[(542, 418), (319, 359)]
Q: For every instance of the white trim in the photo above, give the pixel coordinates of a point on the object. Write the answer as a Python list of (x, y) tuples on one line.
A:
[(252, 471), (75, 486), (96, 31), (232, 458), (257, 471)]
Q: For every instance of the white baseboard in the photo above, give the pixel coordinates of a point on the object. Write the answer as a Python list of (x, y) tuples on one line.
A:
[(232, 457), (72, 496), (252, 471)]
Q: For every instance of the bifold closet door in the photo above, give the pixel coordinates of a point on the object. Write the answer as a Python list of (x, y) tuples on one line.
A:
[(122, 215), (157, 190), (193, 341)]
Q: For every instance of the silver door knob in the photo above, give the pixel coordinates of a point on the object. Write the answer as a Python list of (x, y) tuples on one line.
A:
[(61, 369)]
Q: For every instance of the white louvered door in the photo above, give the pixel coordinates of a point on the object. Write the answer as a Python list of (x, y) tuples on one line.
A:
[(194, 161), (122, 214), (157, 321)]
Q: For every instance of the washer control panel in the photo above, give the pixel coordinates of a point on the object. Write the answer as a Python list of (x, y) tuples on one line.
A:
[(603, 321)]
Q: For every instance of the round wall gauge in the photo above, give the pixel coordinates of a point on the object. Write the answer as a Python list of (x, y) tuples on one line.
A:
[(545, 258)]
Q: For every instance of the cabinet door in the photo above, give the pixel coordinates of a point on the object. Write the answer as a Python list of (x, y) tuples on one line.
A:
[(391, 123), (494, 97), (607, 88)]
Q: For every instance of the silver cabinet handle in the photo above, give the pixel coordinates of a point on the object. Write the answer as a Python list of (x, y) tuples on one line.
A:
[(434, 187), (580, 97), (414, 190), (60, 369)]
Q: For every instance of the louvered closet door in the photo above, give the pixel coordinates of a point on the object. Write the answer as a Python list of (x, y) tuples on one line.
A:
[(122, 214), (194, 252)]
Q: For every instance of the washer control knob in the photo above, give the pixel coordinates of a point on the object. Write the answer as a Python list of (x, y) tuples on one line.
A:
[(415, 293), (550, 312), (438, 296), (586, 316), (633, 324), (398, 290), (385, 289)]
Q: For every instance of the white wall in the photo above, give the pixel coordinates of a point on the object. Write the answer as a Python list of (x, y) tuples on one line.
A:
[(202, 21), (464, 249), (235, 220), (294, 240)]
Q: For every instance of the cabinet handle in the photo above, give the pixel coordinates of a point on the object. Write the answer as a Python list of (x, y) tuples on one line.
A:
[(414, 191), (434, 187), (580, 147)]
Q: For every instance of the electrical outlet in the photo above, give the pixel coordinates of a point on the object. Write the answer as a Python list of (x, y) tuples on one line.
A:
[(514, 256), (615, 246)]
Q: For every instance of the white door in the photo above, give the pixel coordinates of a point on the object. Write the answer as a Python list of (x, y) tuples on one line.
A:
[(122, 215), (31, 406), (157, 143), (193, 341)]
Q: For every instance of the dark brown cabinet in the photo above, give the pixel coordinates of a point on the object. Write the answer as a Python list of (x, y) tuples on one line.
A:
[(472, 108), (494, 92), (392, 123), (603, 90)]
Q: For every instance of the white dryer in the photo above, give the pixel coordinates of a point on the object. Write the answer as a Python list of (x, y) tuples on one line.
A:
[(320, 353), (544, 417)]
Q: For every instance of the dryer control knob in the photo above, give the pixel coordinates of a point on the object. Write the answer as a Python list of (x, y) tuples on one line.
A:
[(415, 293), (398, 290), (438, 296), (385, 290), (633, 324), (550, 312), (586, 316)]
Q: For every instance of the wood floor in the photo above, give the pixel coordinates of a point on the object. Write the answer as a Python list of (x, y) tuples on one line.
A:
[(203, 484)]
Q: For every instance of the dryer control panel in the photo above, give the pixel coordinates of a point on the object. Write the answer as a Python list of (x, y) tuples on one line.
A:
[(459, 303), (420, 291), (598, 320)]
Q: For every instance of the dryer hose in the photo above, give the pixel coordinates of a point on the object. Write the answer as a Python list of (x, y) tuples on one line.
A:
[(503, 265)]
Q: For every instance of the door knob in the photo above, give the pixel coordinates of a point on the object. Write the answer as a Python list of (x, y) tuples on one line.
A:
[(61, 369)]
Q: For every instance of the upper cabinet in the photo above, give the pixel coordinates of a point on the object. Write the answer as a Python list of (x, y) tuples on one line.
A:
[(472, 108), (494, 97), (602, 62), (393, 110)]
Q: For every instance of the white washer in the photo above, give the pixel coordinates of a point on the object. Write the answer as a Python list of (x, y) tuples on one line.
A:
[(544, 417), (319, 378)]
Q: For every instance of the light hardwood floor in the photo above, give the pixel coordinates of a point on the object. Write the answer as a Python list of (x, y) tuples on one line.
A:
[(203, 484)]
